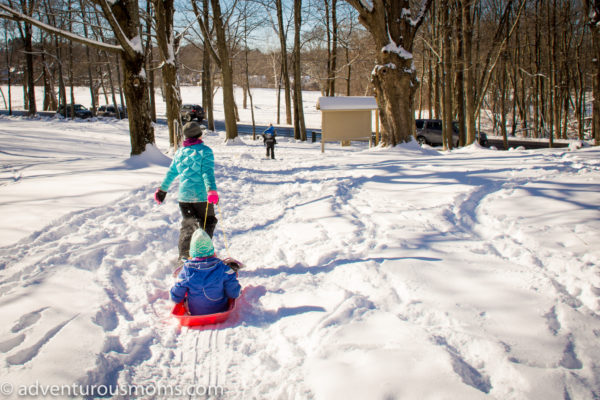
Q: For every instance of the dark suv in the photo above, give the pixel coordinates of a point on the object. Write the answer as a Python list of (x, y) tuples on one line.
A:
[(79, 110), (429, 131), (111, 111), (191, 111)]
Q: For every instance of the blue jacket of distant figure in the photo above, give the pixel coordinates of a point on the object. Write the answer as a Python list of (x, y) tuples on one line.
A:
[(195, 166), (209, 283), (270, 130)]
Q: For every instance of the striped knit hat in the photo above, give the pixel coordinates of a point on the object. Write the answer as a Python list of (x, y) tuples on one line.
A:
[(201, 245)]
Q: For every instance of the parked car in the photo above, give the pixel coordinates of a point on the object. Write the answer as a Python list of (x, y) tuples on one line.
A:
[(80, 111), (429, 131), (109, 110), (191, 111)]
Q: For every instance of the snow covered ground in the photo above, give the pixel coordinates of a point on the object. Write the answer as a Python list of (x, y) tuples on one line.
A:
[(398, 273)]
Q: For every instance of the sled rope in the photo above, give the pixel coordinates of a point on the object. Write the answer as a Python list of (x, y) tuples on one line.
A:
[(205, 216), (224, 235)]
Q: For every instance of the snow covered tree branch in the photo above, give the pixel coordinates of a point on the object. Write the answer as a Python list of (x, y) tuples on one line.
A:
[(10, 13)]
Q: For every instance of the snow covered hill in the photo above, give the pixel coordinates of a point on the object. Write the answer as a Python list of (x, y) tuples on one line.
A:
[(371, 273)]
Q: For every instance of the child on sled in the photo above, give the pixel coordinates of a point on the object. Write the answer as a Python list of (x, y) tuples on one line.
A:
[(207, 281)]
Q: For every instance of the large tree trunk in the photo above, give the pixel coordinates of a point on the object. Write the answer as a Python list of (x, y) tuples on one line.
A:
[(135, 87), (163, 16), (135, 83), (394, 77)]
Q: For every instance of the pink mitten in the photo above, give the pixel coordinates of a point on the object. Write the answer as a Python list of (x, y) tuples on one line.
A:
[(213, 197)]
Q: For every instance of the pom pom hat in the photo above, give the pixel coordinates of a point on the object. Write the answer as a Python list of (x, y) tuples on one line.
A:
[(201, 245), (193, 129)]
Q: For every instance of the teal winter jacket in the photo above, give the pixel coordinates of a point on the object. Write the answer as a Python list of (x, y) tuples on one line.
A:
[(194, 163)]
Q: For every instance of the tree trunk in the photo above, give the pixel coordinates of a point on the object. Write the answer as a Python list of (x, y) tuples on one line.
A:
[(503, 86), (469, 82), (332, 33), (460, 77), (447, 128), (149, 61), (50, 102), (592, 8), (8, 71), (334, 49), (394, 76), (349, 76), (167, 45), (135, 83), (93, 87), (226, 72), (30, 75), (284, 63), (207, 80), (552, 56), (299, 125)]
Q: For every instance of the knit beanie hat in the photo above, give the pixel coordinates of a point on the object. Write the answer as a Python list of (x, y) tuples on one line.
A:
[(201, 244), (193, 129)]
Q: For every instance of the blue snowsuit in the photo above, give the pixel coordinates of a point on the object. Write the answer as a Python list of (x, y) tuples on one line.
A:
[(209, 283), (270, 141)]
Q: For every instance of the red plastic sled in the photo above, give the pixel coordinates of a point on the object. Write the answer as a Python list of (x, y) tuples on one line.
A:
[(185, 319)]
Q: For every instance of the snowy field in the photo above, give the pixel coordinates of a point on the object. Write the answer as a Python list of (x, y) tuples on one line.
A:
[(402, 273)]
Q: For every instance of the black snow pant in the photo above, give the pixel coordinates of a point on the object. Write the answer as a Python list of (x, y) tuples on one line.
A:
[(271, 147), (193, 218)]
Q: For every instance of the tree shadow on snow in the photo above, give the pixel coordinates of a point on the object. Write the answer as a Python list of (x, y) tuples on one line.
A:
[(300, 269)]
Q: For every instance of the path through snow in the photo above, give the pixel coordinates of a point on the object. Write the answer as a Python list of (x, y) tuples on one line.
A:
[(370, 274)]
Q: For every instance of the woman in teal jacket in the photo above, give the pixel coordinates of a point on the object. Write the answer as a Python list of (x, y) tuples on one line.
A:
[(194, 164)]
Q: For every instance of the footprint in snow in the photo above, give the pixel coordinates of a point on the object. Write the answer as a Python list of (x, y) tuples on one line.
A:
[(27, 354), (27, 320), (11, 343)]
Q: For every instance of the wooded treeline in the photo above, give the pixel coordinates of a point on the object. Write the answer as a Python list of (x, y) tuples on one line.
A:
[(531, 66), (527, 65)]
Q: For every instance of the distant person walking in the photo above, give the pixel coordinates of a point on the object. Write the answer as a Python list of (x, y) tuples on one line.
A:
[(269, 140), (194, 164)]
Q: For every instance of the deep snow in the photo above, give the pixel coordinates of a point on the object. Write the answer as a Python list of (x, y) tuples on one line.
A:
[(370, 273)]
